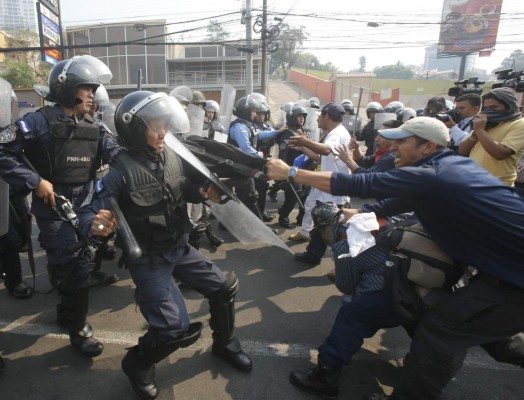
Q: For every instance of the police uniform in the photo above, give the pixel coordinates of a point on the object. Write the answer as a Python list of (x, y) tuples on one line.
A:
[(66, 152), (152, 190)]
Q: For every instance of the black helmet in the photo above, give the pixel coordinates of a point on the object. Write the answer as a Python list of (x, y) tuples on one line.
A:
[(137, 109), (374, 106), (435, 105), (325, 214), (393, 107), (420, 112), (291, 116), (67, 75), (245, 105)]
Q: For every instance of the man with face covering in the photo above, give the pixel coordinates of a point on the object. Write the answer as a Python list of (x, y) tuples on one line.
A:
[(496, 142)]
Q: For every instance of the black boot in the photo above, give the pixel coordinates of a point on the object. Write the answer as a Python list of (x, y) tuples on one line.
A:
[(84, 341), (320, 380), (13, 276), (72, 313), (222, 309), (139, 362), (213, 239)]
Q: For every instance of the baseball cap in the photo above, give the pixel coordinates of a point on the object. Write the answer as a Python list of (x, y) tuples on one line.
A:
[(335, 110), (430, 129)]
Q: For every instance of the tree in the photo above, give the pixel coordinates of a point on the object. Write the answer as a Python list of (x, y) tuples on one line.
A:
[(515, 61), (396, 71), (39, 70), (19, 74), (362, 62), (290, 42), (216, 31)]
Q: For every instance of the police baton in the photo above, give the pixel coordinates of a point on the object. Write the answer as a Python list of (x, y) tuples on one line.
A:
[(131, 247)]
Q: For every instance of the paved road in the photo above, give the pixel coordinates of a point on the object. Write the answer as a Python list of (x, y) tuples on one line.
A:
[(284, 311)]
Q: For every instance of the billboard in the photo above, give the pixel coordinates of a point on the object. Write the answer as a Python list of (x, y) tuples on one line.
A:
[(50, 31), (468, 26)]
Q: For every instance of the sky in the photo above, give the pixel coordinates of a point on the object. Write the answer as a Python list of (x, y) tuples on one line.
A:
[(337, 30)]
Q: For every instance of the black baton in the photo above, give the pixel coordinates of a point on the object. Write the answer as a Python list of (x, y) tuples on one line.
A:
[(131, 246)]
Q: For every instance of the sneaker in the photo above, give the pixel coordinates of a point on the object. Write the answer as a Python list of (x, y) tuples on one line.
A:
[(298, 237), (306, 258)]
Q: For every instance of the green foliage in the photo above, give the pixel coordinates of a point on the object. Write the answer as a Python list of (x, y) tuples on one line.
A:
[(515, 61), (396, 71), (19, 74), (216, 32), (290, 42)]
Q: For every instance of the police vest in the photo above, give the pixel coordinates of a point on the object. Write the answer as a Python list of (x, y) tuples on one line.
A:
[(232, 141), (155, 212), (71, 154)]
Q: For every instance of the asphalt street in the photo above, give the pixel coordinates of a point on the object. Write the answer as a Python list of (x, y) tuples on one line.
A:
[(284, 311)]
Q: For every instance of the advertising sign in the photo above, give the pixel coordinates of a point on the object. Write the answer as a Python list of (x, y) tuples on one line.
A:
[(50, 32), (468, 26)]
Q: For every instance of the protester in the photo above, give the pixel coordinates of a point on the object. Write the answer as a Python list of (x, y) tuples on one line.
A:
[(497, 140), (473, 217)]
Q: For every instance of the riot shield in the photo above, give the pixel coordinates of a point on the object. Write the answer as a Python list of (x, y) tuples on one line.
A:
[(106, 114), (234, 215), (311, 125), (183, 94), (227, 103), (380, 118), (352, 124), (196, 120), (4, 207), (5, 102), (5, 119), (278, 118)]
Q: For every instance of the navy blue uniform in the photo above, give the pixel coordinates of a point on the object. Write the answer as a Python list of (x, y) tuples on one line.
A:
[(55, 235), (158, 297)]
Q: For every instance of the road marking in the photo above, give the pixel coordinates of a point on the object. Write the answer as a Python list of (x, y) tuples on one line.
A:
[(476, 358)]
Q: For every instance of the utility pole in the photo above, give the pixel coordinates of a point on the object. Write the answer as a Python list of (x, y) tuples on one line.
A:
[(249, 55), (263, 65)]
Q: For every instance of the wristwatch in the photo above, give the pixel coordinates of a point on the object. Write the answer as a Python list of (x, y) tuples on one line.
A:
[(291, 174)]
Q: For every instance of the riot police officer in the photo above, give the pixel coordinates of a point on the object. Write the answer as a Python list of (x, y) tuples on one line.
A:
[(151, 185), (369, 133), (64, 146)]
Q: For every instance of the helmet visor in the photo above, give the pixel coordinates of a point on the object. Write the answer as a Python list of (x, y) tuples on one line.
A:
[(163, 112)]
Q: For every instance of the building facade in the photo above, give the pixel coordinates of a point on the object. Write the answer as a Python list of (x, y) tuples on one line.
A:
[(17, 14)]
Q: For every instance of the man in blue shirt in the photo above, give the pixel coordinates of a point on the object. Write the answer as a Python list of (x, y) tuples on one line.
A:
[(474, 218)]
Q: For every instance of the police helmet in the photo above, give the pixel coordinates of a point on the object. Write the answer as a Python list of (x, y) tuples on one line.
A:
[(212, 105), (374, 106), (420, 112), (325, 214), (245, 105), (183, 94), (67, 75), (314, 102), (198, 98), (291, 116), (101, 96), (449, 105), (393, 107), (137, 110), (346, 101), (286, 107), (405, 114), (349, 107)]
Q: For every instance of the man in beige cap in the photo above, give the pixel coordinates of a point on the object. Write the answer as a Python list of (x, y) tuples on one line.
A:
[(475, 219)]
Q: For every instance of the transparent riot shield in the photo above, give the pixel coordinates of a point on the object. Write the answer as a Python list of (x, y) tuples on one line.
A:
[(5, 119), (380, 118), (234, 215), (196, 120), (311, 125), (225, 113)]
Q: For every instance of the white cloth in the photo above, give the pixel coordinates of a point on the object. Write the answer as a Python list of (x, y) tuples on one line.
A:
[(359, 233)]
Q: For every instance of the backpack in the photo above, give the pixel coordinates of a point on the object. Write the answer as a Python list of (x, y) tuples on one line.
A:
[(420, 272)]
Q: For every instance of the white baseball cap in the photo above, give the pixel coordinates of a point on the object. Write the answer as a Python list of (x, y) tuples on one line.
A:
[(430, 129)]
